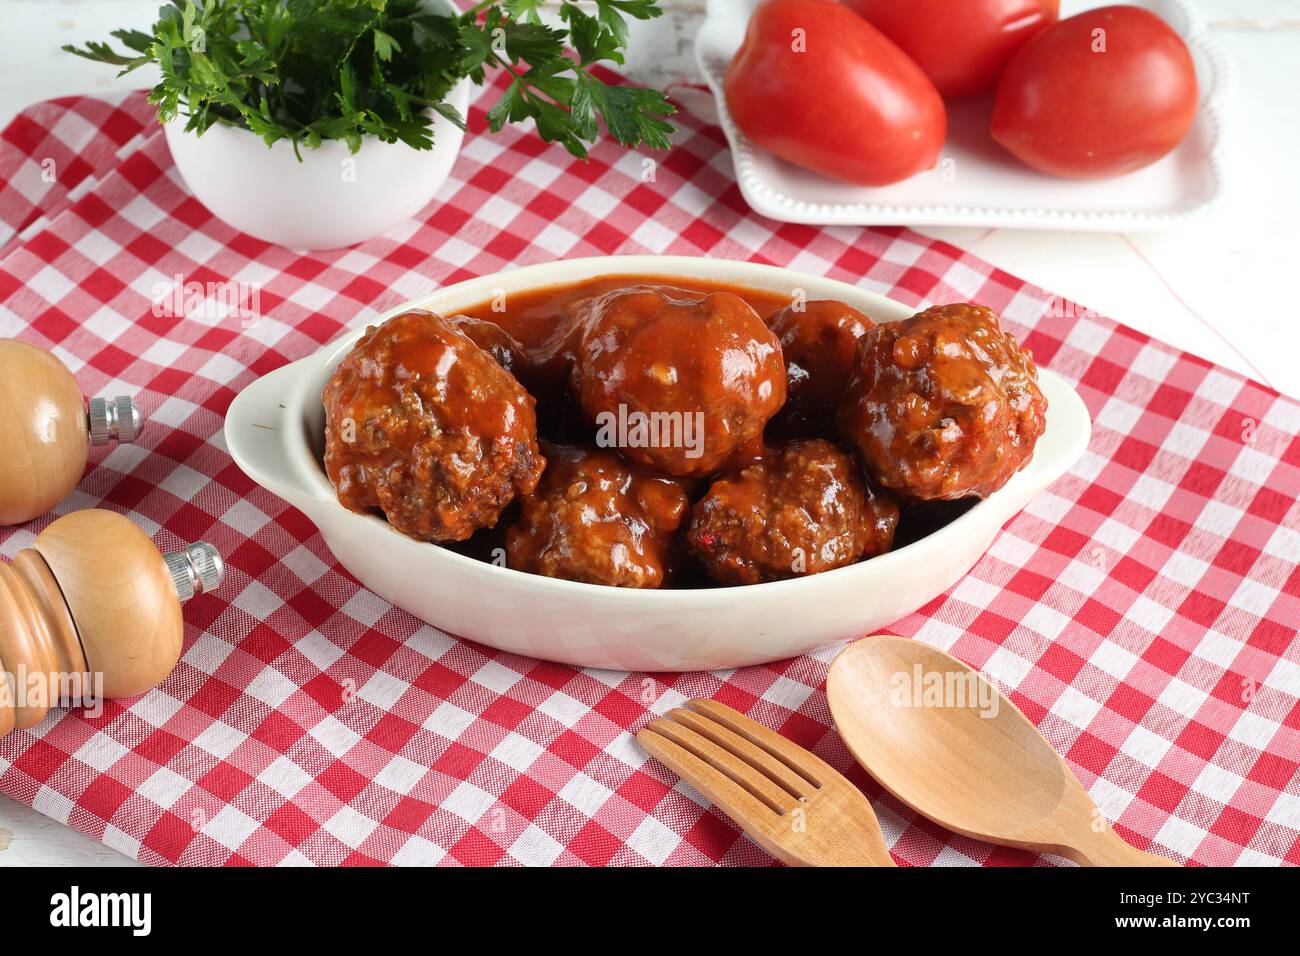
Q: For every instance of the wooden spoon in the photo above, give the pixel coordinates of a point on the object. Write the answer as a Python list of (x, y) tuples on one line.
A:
[(947, 743)]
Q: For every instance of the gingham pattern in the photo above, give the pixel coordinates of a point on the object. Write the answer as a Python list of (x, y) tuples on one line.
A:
[(1142, 612)]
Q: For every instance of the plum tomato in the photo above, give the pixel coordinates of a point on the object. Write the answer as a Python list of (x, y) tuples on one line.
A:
[(817, 85), (961, 45), (1099, 94)]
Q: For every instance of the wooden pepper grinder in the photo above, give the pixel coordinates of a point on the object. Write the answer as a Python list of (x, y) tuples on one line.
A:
[(92, 610), (45, 430)]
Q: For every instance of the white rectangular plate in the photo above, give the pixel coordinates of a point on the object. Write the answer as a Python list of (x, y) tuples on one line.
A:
[(976, 182)]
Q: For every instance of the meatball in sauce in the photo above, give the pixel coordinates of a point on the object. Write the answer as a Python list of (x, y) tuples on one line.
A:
[(803, 508), (597, 519), (676, 380), (424, 425), (943, 405), (819, 341), (543, 379)]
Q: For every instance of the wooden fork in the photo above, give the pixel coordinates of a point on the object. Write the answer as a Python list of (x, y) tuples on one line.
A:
[(790, 802)]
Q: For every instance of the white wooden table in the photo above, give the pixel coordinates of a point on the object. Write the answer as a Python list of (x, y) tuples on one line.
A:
[(1219, 288)]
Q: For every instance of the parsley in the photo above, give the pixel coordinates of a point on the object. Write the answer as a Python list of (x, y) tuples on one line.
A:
[(312, 70)]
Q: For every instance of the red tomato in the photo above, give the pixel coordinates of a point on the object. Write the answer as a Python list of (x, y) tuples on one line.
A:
[(1102, 93), (819, 86), (962, 45)]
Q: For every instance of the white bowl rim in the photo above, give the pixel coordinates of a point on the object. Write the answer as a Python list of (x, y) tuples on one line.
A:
[(313, 368)]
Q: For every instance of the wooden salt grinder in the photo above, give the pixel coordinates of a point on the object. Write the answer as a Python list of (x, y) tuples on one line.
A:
[(92, 609), (45, 428)]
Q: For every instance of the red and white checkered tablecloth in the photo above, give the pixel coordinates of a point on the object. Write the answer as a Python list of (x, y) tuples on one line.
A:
[(1142, 612)]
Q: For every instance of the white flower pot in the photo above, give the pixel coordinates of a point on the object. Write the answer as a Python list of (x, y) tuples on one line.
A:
[(332, 198)]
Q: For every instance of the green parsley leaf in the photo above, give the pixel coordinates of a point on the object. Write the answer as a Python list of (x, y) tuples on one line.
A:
[(314, 70)]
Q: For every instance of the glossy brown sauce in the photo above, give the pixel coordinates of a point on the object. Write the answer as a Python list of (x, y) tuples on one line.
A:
[(533, 316)]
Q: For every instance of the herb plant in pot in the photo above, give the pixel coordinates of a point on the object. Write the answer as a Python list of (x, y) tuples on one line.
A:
[(316, 124)]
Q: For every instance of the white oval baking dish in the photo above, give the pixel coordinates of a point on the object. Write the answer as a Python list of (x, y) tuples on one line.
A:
[(274, 430)]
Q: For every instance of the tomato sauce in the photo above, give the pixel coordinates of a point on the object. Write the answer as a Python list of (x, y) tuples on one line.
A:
[(533, 316)]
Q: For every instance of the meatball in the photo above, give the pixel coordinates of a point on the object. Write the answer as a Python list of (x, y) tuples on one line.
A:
[(494, 340), (804, 508), (677, 380), (424, 425), (820, 343), (943, 405), (539, 378), (595, 518)]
